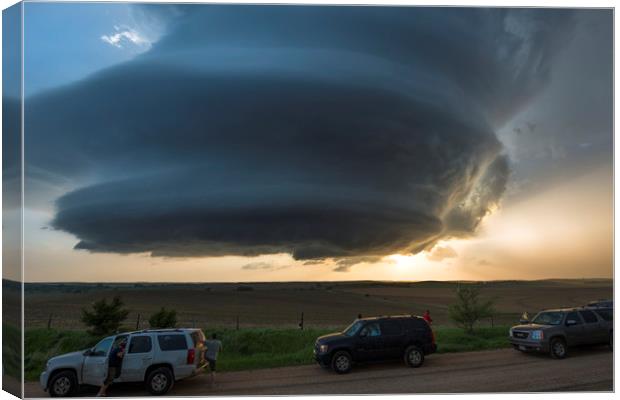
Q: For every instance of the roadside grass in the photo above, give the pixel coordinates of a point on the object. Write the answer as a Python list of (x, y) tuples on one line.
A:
[(41, 344), (11, 350), (451, 340), (252, 348)]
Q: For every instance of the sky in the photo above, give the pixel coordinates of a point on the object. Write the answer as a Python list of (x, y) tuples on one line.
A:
[(276, 143)]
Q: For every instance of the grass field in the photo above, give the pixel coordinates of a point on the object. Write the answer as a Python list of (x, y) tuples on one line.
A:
[(324, 304), (250, 348)]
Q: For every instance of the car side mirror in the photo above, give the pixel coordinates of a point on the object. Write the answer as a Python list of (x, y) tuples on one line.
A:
[(571, 322), (87, 352)]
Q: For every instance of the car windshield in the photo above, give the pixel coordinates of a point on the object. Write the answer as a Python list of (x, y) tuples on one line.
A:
[(101, 349), (548, 318), (353, 328)]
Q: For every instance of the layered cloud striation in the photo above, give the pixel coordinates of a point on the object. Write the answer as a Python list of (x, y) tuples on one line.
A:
[(322, 132)]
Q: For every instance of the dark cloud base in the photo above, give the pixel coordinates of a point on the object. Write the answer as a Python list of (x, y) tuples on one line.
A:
[(231, 140)]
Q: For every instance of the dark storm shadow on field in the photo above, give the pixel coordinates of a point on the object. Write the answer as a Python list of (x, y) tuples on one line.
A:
[(244, 132)]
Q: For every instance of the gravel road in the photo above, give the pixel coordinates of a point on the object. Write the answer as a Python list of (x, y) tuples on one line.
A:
[(505, 370)]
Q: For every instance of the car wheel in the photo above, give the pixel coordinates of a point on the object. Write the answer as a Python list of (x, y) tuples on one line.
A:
[(558, 348), (414, 356), (341, 362), (159, 381), (63, 384)]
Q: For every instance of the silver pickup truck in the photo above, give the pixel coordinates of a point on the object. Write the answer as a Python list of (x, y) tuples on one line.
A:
[(156, 357), (554, 331)]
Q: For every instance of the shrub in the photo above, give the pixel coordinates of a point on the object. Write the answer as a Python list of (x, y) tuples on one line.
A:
[(469, 308), (163, 319), (105, 318)]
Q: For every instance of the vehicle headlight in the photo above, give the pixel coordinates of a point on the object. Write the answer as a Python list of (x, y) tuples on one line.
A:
[(323, 348), (537, 335)]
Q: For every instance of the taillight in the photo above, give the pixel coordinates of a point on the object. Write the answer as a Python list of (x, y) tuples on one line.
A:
[(191, 356)]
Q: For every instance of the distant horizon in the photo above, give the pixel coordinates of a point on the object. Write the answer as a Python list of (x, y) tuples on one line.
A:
[(325, 281)]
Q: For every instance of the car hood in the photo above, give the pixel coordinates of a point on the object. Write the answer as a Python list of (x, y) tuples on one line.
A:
[(530, 327), (69, 358), (332, 337)]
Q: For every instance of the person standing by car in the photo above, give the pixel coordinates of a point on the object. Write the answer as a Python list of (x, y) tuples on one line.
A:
[(427, 317), (214, 346), (115, 362)]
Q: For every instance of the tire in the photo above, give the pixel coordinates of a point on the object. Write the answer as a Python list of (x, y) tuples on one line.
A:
[(159, 381), (414, 356), (63, 384), (558, 348), (341, 362)]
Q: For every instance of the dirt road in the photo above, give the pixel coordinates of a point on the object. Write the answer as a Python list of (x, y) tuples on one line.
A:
[(485, 371)]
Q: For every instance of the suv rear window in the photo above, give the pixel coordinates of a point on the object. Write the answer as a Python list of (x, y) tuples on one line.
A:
[(140, 344), (172, 342), (391, 328), (573, 316), (413, 323), (607, 315), (588, 316)]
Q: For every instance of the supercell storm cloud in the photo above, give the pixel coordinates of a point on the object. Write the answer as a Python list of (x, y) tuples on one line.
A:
[(322, 132)]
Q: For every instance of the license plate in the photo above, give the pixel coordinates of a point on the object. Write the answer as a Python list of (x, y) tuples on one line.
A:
[(522, 348)]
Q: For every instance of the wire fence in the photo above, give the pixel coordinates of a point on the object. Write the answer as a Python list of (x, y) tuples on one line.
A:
[(300, 320)]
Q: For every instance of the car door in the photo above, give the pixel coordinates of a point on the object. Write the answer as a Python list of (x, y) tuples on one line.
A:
[(392, 334), (594, 330), (95, 367), (574, 327), (369, 344), (137, 359), (174, 351)]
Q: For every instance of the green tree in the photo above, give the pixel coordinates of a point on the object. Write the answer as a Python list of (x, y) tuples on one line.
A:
[(164, 319), (469, 308), (105, 318)]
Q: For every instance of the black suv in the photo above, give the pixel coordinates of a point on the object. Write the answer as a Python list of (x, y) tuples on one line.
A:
[(376, 339)]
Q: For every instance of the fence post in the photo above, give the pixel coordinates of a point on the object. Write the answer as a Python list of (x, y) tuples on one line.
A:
[(301, 323), (138, 322), (49, 321), (237, 327)]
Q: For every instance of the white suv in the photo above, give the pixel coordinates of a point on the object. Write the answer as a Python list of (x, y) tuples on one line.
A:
[(156, 357)]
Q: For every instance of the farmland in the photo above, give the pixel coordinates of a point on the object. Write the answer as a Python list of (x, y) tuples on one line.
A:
[(324, 304)]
